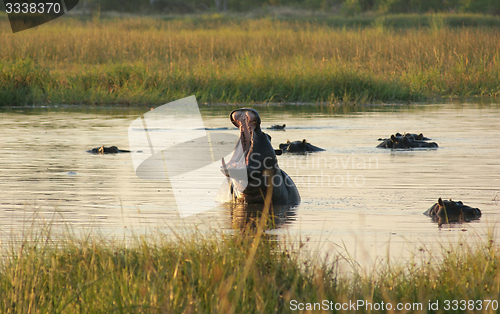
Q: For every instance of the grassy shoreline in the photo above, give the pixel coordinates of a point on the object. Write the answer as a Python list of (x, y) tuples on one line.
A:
[(221, 273), (152, 61)]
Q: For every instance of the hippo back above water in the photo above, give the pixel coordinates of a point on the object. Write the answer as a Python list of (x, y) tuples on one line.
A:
[(107, 150), (254, 166), (406, 141), (277, 127), (452, 212), (299, 147)]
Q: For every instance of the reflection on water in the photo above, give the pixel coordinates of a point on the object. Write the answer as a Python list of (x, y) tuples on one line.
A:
[(247, 215), (354, 196)]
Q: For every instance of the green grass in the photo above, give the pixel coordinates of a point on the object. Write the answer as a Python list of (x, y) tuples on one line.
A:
[(245, 272), (411, 20), (152, 61)]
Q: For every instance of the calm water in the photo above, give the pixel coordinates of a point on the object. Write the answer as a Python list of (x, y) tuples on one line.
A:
[(355, 197)]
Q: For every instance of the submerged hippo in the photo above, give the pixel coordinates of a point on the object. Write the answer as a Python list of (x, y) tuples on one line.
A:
[(407, 141), (254, 166), (277, 127), (412, 136), (450, 211), (107, 150), (299, 147)]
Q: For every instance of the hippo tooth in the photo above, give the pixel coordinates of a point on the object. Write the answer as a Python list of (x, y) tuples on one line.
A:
[(224, 168)]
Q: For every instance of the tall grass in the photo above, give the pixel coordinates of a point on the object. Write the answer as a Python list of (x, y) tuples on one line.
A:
[(145, 60), (220, 273)]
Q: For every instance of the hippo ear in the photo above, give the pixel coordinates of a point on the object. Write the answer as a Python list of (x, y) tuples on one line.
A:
[(440, 202), (420, 136), (231, 116), (288, 141), (303, 141), (257, 116)]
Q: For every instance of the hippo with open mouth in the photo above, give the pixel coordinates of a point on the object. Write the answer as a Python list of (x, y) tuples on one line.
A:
[(452, 212), (254, 166)]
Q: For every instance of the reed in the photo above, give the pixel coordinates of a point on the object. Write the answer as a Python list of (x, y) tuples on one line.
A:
[(147, 60), (220, 272)]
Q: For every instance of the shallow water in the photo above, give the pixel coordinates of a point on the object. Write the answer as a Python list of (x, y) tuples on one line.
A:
[(356, 199)]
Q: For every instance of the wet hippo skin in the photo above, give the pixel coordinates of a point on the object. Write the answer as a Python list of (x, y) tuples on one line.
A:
[(406, 141), (452, 212), (107, 150), (253, 166), (299, 147), (277, 127)]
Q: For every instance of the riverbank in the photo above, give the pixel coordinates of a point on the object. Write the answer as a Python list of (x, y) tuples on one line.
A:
[(247, 272), (144, 60)]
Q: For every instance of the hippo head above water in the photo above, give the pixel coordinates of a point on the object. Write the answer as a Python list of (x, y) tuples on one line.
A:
[(452, 212), (254, 166), (407, 141), (107, 150), (299, 147)]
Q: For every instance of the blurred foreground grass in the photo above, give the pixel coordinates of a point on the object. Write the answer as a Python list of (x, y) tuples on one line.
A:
[(153, 61), (244, 272)]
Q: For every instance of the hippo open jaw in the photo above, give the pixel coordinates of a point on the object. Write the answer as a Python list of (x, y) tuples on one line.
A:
[(247, 120), (253, 167)]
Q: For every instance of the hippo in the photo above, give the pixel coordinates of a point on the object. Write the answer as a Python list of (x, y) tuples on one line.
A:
[(277, 127), (254, 166), (413, 136), (451, 211), (107, 150), (419, 137), (299, 147), (406, 141)]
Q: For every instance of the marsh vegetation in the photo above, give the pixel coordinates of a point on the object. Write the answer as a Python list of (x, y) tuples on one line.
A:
[(151, 60), (244, 272)]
